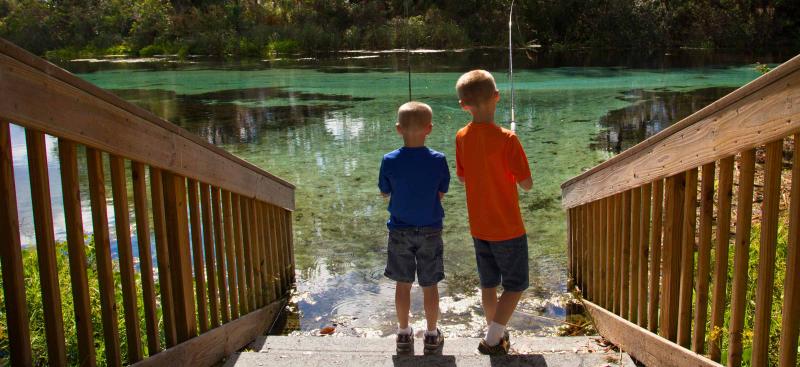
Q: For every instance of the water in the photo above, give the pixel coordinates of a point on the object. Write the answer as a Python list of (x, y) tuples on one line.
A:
[(324, 123)]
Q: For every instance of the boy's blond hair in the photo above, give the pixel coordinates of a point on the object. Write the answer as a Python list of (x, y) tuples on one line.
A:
[(414, 115), (475, 87)]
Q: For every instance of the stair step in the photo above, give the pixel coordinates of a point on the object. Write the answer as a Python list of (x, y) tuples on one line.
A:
[(354, 351)]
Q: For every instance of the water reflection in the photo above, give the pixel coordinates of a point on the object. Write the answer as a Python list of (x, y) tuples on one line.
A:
[(651, 112)]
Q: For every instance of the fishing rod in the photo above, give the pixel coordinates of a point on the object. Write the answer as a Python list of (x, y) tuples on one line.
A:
[(510, 67), (408, 54)]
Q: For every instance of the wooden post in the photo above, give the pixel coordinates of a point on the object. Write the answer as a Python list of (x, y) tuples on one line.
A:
[(704, 258), (145, 256), (671, 265), (197, 256), (636, 202), (603, 250), (179, 255), (790, 323), (162, 252), (219, 251), (618, 227), (97, 195), (767, 253), (19, 338), (46, 247), (119, 189), (208, 244), (721, 257), (744, 211), (625, 266), (644, 240), (73, 218), (227, 215), (687, 259), (655, 257), (609, 249), (240, 268)]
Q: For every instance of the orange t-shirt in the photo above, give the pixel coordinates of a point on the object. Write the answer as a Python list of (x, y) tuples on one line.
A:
[(491, 161)]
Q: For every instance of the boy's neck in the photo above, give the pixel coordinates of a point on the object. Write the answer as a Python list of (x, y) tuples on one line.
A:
[(411, 142), (483, 115)]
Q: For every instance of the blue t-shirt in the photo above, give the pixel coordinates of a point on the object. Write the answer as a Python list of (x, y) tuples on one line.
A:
[(414, 177)]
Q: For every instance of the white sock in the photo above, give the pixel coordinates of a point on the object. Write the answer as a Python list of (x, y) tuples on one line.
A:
[(494, 334), (406, 331), (434, 332)]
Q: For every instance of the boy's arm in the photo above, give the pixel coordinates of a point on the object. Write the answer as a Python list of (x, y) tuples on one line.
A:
[(519, 165), (459, 166), (444, 184), (383, 182)]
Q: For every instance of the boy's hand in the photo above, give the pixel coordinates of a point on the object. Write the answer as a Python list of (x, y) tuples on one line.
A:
[(385, 195), (526, 184), (441, 196)]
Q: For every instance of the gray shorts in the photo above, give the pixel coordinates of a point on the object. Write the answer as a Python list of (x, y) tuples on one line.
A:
[(417, 251), (503, 262)]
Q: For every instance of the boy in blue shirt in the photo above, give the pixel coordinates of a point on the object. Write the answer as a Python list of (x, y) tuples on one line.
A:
[(415, 178)]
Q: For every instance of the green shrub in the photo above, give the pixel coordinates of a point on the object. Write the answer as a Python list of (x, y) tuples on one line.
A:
[(152, 50)]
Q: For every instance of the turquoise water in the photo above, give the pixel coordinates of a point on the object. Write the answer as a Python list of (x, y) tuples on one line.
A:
[(323, 124)]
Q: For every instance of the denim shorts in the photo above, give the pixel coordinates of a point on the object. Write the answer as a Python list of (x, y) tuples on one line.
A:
[(416, 250), (503, 262)]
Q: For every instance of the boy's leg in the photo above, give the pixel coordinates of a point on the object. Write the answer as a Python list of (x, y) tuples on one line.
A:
[(489, 302), (506, 306), (431, 300), (402, 303), (512, 259)]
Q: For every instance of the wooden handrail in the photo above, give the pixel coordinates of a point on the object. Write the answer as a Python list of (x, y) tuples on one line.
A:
[(757, 113), (40, 95), (647, 256), (218, 223)]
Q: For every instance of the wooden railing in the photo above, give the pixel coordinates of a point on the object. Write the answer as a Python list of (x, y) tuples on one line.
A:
[(222, 227), (641, 243)]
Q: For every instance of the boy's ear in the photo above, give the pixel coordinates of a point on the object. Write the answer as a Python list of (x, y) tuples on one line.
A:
[(397, 127), (496, 95), (463, 106)]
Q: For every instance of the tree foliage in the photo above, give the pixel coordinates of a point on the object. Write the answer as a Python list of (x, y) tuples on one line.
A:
[(255, 27)]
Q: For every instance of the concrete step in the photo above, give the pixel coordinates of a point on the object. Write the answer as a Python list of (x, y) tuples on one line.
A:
[(354, 351)]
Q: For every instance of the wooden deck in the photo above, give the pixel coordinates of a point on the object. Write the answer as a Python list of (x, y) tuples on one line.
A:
[(354, 351)]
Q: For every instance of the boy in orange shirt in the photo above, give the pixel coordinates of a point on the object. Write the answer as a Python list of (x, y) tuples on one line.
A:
[(490, 162)]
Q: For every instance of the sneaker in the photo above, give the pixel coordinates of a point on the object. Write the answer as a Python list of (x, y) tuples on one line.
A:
[(500, 349), (434, 343), (405, 343)]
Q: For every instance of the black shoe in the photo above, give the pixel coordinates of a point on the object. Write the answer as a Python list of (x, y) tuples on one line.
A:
[(405, 343), (500, 349), (434, 343)]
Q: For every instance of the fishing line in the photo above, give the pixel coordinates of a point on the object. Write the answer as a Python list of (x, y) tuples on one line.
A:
[(510, 67), (408, 52)]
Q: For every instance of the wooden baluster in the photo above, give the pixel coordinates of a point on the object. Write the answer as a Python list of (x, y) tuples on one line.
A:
[(744, 211), (590, 289), (719, 300), (266, 253), (290, 241), (603, 250), (102, 243), (256, 248), (596, 243), (229, 256), (180, 255), (579, 255), (790, 323), (687, 259), (571, 243), (587, 230), (618, 227), (238, 233), (704, 257), (119, 189), (73, 218), (19, 338), (767, 252), (275, 249), (219, 251), (197, 256), (644, 237), (208, 245), (162, 253), (145, 256), (655, 257), (671, 264), (636, 208), (284, 250), (247, 230), (279, 260), (625, 265), (46, 247), (609, 249)]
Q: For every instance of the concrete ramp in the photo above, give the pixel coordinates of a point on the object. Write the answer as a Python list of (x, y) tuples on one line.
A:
[(354, 351)]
